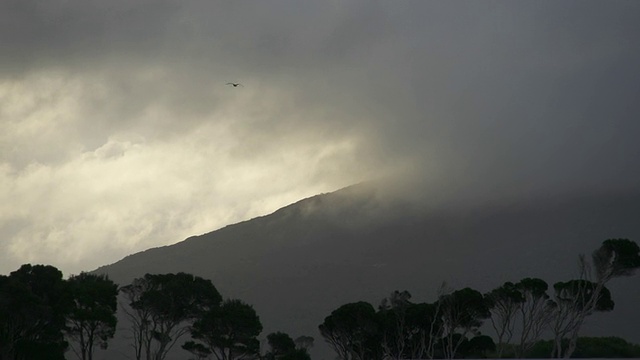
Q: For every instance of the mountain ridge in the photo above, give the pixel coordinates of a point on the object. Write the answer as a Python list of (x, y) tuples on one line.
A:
[(300, 262)]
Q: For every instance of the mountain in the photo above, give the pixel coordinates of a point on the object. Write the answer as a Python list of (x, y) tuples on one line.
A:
[(301, 262)]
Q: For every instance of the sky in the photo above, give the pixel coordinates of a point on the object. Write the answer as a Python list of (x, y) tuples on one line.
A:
[(118, 131)]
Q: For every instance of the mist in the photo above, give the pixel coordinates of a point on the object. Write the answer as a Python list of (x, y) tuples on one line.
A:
[(118, 131)]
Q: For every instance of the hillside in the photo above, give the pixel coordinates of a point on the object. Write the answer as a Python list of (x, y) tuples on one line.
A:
[(301, 262)]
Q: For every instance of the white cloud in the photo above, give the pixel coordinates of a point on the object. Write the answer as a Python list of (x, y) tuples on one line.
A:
[(77, 207)]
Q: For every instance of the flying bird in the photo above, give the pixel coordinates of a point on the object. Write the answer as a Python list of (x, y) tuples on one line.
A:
[(235, 84)]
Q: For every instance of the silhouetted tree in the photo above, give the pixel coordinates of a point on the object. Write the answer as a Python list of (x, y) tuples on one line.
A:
[(163, 306), (92, 320), (352, 330), (139, 316), (575, 299), (34, 301), (408, 330), (478, 347), (282, 347), (424, 329), (605, 347), (228, 332), (304, 342), (592, 347), (616, 258), (536, 312), (280, 344), (579, 299), (393, 322), (462, 314), (504, 303)]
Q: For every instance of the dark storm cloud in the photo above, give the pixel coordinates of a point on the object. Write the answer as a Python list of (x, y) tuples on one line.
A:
[(523, 92), (79, 33), (473, 100)]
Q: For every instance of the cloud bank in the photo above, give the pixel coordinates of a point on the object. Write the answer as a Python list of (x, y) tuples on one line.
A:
[(118, 133)]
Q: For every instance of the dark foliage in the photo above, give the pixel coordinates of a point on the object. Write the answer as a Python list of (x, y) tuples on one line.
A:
[(280, 344), (34, 302), (229, 332), (282, 347), (591, 347), (616, 257), (92, 320), (162, 306), (353, 331)]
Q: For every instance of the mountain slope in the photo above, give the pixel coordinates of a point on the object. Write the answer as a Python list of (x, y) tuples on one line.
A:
[(301, 262)]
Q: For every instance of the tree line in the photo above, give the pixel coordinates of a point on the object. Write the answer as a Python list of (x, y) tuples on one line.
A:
[(43, 316), (518, 314)]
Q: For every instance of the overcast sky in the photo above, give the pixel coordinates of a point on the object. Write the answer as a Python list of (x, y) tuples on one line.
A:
[(118, 131)]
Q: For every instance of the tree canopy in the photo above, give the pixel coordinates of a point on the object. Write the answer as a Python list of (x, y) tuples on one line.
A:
[(34, 302), (228, 332), (163, 306), (92, 320), (352, 331)]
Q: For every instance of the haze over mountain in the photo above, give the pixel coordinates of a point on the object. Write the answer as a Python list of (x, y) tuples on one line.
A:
[(118, 132), (301, 262)]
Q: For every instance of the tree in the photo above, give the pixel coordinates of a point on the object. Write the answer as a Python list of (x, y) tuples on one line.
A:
[(605, 347), (139, 316), (592, 348), (284, 348), (304, 342), (92, 320), (408, 330), (280, 344), (423, 330), (352, 330), (523, 308), (503, 304), (462, 314), (536, 312), (163, 306), (575, 299), (34, 301), (478, 347), (392, 314), (614, 258), (228, 332)]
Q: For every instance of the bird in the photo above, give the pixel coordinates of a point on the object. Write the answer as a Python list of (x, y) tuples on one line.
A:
[(235, 84)]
